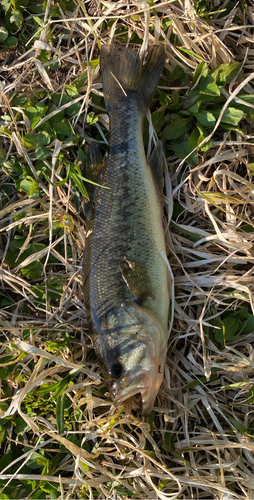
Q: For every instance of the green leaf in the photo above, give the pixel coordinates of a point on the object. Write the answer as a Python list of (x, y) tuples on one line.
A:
[(232, 116), (210, 89), (43, 57), (82, 155), (31, 111), (61, 183), (10, 42), (179, 75), (49, 488), (158, 119), (243, 311), (85, 466), (200, 69), (70, 139), (63, 129), (181, 149), (4, 299), (30, 140), (74, 109), (81, 80), (19, 99), (6, 4), (237, 425), (250, 395), (20, 425), (6, 459), (248, 98), (168, 441), (71, 90), (176, 129), (229, 327), (60, 400), (33, 460), (62, 386), (29, 185), (218, 197), (5, 372), (32, 115), (79, 183), (11, 167), (248, 326), (94, 62), (193, 140), (5, 131), (91, 118), (225, 73), (7, 118), (44, 139), (38, 20), (39, 495), (16, 243), (2, 153), (56, 64), (33, 270), (251, 168), (45, 388), (41, 109), (194, 108), (206, 118), (16, 17), (190, 53), (3, 33), (165, 99), (42, 153), (193, 143), (59, 99), (203, 135), (164, 482)]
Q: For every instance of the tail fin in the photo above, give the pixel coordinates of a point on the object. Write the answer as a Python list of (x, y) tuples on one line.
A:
[(125, 74)]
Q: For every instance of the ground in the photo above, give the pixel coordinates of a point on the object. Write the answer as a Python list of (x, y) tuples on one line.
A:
[(60, 434)]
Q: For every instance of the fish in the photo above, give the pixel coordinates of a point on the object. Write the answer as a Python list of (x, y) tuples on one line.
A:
[(126, 280)]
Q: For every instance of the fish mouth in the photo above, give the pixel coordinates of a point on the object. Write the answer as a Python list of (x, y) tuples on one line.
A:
[(140, 386)]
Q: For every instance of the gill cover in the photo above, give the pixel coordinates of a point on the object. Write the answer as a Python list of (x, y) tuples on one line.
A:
[(134, 355)]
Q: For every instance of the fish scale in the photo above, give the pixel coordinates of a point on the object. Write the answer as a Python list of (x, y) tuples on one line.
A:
[(125, 277), (130, 208)]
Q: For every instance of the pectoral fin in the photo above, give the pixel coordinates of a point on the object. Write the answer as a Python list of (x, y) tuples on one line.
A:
[(156, 164), (137, 278), (92, 169)]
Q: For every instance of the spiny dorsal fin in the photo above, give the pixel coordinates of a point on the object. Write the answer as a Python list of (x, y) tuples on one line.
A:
[(93, 165), (92, 162)]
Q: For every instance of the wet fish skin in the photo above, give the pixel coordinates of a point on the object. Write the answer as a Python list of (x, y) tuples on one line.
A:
[(125, 277)]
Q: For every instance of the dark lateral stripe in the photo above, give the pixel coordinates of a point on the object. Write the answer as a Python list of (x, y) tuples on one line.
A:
[(122, 147)]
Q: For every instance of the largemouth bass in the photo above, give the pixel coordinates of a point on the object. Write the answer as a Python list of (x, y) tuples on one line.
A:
[(126, 281)]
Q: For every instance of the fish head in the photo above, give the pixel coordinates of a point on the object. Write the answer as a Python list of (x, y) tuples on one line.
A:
[(134, 357)]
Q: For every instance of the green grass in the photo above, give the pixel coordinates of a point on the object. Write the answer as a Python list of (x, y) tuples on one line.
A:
[(60, 434)]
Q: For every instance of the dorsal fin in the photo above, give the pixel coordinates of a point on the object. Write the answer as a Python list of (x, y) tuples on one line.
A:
[(156, 164)]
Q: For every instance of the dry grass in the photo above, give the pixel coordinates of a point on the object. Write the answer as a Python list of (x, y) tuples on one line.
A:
[(199, 442)]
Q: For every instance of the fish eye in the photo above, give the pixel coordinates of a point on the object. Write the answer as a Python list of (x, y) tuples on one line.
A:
[(116, 370)]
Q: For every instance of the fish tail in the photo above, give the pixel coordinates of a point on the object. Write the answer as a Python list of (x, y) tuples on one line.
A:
[(128, 75)]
